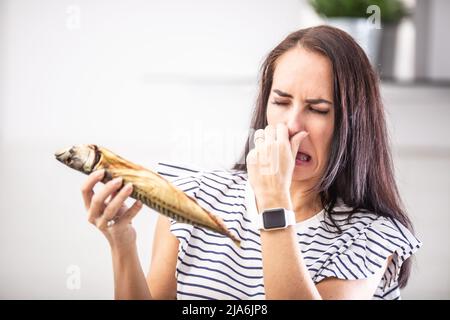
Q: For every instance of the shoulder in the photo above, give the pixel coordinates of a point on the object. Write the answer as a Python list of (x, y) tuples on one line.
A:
[(364, 244)]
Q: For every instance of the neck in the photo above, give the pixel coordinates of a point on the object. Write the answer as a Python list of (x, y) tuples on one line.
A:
[(304, 203)]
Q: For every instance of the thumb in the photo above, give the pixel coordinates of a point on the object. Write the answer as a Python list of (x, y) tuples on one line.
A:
[(296, 140)]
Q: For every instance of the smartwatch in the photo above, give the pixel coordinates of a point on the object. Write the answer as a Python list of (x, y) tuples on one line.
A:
[(276, 218)]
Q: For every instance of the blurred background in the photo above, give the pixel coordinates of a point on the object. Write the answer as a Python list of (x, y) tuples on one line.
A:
[(176, 81)]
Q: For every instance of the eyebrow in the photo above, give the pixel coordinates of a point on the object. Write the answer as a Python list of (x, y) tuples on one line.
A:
[(283, 94), (311, 101)]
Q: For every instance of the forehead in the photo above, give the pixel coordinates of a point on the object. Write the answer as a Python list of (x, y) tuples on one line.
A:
[(301, 71)]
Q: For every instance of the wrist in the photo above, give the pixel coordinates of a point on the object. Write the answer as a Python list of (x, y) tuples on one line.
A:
[(265, 203), (123, 250)]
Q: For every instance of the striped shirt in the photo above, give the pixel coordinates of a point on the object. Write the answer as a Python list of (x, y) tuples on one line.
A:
[(211, 266)]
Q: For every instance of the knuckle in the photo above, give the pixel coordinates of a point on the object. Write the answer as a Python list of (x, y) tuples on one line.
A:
[(101, 225), (91, 220), (85, 188), (96, 200), (110, 210)]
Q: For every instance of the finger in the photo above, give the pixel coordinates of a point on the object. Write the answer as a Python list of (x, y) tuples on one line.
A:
[(270, 133), (133, 211), (98, 200), (251, 158), (259, 137), (282, 132), (111, 197), (88, 186), (113, 207), (296, 141)]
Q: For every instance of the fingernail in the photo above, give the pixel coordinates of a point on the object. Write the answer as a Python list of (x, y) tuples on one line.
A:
[(129, 186), (117, 180)]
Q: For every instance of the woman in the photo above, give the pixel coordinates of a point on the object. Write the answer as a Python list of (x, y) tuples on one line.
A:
[(314, 203)]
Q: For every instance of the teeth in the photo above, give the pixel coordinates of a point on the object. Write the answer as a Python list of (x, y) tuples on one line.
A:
[(303, 157)]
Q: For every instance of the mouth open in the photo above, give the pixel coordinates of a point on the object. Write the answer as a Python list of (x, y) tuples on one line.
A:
[(302, 158)]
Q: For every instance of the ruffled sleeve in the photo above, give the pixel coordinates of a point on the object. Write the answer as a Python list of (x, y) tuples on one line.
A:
[(187, 179), (365, 251)]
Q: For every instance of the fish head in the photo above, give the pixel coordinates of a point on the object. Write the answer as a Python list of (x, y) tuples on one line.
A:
[(82, 157)]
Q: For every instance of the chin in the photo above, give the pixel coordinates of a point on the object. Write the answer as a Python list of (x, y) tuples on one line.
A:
[(302, 174)]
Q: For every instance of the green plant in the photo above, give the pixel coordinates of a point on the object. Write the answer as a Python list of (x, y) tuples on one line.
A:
[(391, 10)]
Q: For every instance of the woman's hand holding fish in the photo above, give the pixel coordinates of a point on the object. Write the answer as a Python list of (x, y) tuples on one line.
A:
[(107, 210)]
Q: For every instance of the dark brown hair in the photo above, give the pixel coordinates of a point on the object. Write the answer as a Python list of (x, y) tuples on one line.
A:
[(359, 169)]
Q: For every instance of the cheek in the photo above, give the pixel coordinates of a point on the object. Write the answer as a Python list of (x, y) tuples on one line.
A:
[(274, 115), (321, 133)]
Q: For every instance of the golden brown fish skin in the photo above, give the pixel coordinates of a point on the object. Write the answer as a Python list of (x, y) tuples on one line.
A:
[(150, 188)]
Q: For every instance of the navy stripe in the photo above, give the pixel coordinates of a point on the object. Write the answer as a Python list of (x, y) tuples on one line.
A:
[(226, 245), (374, 263), (223, 273), (225, 178), (228, 187), (346, 224), (243, 238), (317, 258), (390, 291), (313, 249), (209, 288), (388, 226), (394, 237), (356, 265), (222, 263), (224, 194), (239, 174), (346, 232), (332, 271), (315, 241), (400, 230), (240, 223), (369, 249), (379, 245), (224, 237), (195, 295), (178, 228), (166, 174), (187, 178), (222, 282), (356, 215), (326, 254), (216, 209), (340, 271), (242, 227), (345, 266), (361, 257), (186, 182), (384, 238), (176, 167), (224, 203), (190, 189)]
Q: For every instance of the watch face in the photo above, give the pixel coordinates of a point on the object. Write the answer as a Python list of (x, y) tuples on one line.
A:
[(274, 219)]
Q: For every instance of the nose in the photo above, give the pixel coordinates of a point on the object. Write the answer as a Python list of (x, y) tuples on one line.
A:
[(295, 123)]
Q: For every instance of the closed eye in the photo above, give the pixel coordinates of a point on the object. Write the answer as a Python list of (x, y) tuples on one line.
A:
[(318, 111), (280, 103), (309, 107)]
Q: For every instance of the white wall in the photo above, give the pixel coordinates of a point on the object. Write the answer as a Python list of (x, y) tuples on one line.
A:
[(156, 80)]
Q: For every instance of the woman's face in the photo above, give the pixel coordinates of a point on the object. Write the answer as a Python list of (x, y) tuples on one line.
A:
[(301, 97)]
